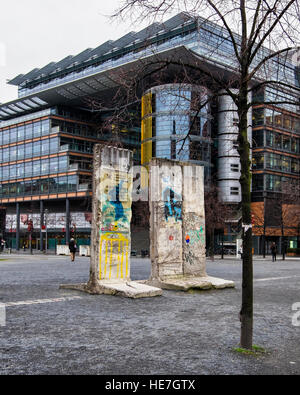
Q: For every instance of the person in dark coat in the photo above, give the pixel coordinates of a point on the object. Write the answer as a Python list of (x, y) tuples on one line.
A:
[(72, 248), (273, 251)]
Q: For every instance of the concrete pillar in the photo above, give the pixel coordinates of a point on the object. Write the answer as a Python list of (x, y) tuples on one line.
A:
[(67, 221), (41, 224), (177, 227), (18, 227), (111, 234)]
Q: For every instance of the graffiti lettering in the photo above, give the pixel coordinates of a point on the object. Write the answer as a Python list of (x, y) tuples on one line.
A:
[(114, 256), (195, 236), (173, 205)]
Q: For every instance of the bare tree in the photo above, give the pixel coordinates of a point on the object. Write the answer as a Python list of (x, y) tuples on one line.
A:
[(262, 33)]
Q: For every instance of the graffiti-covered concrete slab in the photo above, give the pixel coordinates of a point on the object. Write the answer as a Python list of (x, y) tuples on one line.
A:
[(111, 236), (177, 227)]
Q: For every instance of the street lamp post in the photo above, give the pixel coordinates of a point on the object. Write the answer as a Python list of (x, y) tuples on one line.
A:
[(46, 225)]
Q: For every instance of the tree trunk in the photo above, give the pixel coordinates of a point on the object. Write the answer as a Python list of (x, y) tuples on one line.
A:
[(246, 314)]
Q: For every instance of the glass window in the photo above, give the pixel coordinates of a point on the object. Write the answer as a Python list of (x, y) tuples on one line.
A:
[(37, 129), (294, 145), (277, 141), (286, 164), (54, 165), (277, 119), (13, 189), (21, 133), (258, 116), (36, 187), (44, 186), (295, 166), (28, 150), (63, 163), (258, 182), (54, 145), (297, 125), (5, 155), (62, 184), (20, 170), (5, 173), (72, 183), (21, 151), (273, 161), (287, 122), (28, 131), (45, 166), (258, 138), (273, 183), (20, 188), (36, 148), (27, 188), (45, 127), (13, 135), (286, 143), (5, 137), (45, 147), (12, 171), (5, 190), (28, 169), (13, 153), (36, 168), (53, 185), (269, 116), (258, 161)]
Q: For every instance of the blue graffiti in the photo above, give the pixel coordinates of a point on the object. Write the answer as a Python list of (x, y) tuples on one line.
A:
[(115, 201), (173, 205)]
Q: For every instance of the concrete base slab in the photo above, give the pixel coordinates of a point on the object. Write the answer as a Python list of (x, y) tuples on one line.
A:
[(185, 283), (128, 289)]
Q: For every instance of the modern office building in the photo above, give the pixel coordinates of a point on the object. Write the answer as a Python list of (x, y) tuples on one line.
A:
[(47, 133)]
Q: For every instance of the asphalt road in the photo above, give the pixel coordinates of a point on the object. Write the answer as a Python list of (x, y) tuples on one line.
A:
[(52, 331)]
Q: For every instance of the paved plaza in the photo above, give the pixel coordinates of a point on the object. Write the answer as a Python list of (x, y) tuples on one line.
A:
[(53, 331)]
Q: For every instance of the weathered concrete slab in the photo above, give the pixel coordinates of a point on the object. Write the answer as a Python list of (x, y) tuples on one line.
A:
[(186, 283), (129, 289), (111, 233), (177, 227)]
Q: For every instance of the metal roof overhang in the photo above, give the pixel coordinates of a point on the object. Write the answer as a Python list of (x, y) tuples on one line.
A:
[(72, 93)]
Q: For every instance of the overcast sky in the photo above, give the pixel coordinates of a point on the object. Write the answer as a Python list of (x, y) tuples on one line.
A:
[(34, 33)]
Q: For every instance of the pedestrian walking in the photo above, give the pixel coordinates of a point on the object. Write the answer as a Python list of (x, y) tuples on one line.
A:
[(2, 246), (273, 251), (72, 248)]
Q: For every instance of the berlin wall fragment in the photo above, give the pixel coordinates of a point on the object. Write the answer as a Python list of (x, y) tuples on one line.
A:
[(177, 227), (111, 236)]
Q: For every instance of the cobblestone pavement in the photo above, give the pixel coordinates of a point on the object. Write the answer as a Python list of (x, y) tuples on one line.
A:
[(52, 331)]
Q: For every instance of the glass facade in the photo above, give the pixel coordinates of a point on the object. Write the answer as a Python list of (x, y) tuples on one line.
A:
[(171, 126), (36, 148)]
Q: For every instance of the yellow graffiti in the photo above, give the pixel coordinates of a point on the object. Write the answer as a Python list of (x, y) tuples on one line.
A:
[(108, 259)]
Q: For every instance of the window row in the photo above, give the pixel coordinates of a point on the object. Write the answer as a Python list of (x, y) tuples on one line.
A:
[(35, 168), (74, 128), (275, 162), (38, 187), (267, 116), (25, 132), (268, 138), (270, 182), (29, 150)]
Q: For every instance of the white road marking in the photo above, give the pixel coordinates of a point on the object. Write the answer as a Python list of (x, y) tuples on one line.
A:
[(275, 278), (41, 301)]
